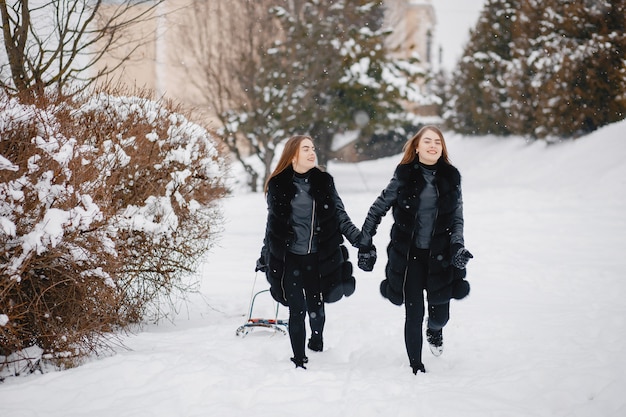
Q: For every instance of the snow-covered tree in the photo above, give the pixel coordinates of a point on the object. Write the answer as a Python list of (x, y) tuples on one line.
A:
[(301, 67), (550, 69), (225, 69), (331, 64), (478, 101), (578, 57)]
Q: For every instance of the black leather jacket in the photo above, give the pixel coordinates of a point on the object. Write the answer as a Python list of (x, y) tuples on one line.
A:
[(388, 198)]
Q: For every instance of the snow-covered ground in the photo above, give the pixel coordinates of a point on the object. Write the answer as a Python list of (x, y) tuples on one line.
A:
[(543, 332)]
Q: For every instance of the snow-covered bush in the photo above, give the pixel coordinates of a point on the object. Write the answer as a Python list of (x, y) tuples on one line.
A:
[(107, 204)]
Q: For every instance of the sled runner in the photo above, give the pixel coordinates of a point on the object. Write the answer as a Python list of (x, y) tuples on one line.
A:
[(274, 324)]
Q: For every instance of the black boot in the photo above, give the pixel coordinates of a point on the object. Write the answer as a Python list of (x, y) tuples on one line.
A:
[(300, 362), (418, 368), (316, 343)]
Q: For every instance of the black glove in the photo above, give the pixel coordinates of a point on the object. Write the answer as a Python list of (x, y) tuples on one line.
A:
[(461, 258), (367, 258), (260, 265)]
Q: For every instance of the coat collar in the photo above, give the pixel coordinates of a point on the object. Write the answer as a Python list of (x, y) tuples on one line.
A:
[(413, 168)]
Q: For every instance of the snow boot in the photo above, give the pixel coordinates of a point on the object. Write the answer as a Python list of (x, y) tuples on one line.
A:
[(418, 368), (435, 341), (316, 343), (300, 362)]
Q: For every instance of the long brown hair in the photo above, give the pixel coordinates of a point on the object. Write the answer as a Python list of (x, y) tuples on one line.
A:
[(290, 151), (411, 145)]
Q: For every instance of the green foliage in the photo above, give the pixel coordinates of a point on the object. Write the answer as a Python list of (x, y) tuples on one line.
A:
[(542, 69), (327, 63), (479, 94)]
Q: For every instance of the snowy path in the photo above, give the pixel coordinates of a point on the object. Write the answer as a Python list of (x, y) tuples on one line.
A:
[(543, 332)]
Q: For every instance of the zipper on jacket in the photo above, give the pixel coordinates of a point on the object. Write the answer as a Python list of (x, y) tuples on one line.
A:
[(312, 228), (282, 278), (408, 255), (432, 232)]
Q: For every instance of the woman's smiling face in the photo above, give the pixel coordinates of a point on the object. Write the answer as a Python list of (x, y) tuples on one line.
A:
[(306, 157), (429, 147)]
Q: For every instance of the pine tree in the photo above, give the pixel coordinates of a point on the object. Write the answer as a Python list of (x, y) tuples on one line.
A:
[(542, 68), (479, 103), (581, 62), (521, 76), (329, 64)]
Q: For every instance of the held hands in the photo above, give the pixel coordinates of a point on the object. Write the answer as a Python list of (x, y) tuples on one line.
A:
[(461, 258), (367, 258)]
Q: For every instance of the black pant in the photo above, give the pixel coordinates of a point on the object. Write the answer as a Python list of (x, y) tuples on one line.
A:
[(438, 315), (304, 294)]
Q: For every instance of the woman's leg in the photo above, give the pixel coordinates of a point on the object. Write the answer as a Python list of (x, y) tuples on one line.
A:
[(294, 290), (314, 302), (414, 307), (438, 316)]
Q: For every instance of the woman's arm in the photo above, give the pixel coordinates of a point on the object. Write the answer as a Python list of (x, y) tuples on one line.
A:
[(379, 209), (456, 236), (346, 227)]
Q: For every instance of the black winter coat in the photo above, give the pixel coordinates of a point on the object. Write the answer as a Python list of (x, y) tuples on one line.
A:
[(444, 281), (331, 224)]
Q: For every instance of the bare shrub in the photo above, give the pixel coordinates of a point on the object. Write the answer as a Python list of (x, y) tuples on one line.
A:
[(107, 206)]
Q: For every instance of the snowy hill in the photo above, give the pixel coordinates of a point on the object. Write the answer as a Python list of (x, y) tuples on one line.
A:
[(543, 332)]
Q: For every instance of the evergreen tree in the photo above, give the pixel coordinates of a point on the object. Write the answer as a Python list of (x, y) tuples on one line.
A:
[(328, 64), (479, 101), (521, 77), (580, 62), (542, 68)]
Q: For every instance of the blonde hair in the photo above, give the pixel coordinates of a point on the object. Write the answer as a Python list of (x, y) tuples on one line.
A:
[(290, 151), (411, 145)]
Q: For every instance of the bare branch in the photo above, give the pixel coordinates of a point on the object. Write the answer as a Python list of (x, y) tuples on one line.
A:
[(60, 42)]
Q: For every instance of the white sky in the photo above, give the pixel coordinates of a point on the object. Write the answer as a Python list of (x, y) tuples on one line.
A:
[(454, 20)]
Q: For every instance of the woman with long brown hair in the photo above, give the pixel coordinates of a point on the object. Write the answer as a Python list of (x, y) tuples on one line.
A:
[(426, 251), (302, 255)]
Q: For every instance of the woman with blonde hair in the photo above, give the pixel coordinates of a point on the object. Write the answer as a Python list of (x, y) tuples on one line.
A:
[(426, 251), (302, 255)]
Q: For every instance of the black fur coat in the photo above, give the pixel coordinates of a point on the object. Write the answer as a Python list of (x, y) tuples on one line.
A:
[(444, 281), (332, 224)]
